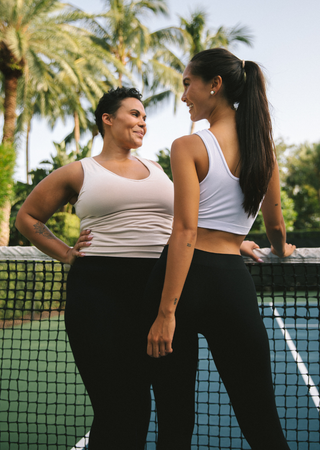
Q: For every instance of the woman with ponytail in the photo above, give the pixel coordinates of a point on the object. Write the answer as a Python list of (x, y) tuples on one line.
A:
[(222, 176)]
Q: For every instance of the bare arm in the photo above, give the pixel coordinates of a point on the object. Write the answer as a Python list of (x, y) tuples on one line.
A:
[(47, 197), (181, 245), (273, 218)]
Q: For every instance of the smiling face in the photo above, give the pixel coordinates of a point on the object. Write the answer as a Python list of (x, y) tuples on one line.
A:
[(196, 95), (128, 123)]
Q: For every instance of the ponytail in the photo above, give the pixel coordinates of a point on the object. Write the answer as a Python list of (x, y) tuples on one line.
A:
[(254, 130), (244, 86)]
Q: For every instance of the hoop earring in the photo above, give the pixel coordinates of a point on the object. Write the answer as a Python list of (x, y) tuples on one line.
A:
[(212, 92)]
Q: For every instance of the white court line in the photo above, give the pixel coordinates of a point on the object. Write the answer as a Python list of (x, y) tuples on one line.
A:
[(303, 370), (82, 443)]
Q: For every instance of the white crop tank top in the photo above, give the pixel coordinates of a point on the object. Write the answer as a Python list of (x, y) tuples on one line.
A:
[(127, 217), (221, 197)]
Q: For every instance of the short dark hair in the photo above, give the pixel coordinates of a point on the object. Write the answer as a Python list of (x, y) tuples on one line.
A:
[(111, 101)]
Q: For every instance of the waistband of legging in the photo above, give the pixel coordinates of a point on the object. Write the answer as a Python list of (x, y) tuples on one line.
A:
[(98, 262), (202, 257)]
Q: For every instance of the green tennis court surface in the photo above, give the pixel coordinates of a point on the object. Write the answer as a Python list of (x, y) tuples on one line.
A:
[(43, 402)]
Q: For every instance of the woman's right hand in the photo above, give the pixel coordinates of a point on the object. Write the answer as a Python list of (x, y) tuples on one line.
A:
[(289, 249), (161, 335), (83, 241)]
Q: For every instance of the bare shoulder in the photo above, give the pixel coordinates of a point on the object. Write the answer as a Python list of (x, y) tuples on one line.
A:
[(68, 177), (69, 170), (189, 141), (188, 145)]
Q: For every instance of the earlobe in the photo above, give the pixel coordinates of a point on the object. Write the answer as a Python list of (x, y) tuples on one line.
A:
[(216, 84)]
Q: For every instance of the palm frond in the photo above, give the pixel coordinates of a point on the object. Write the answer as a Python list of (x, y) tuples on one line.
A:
[(152, 103)]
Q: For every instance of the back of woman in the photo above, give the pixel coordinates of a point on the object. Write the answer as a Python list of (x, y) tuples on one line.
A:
[(200, 284)]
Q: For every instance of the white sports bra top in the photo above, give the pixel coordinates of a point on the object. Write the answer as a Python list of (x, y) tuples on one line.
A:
[(127, 217), (221, 197)]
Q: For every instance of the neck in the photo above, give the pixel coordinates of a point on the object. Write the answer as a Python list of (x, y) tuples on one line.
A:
[(222, 114), (111, 150)]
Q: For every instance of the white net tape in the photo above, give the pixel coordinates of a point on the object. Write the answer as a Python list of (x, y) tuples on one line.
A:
[(300, 255)]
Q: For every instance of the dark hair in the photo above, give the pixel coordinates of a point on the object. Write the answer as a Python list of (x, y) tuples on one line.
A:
[(244, 85), (111, 101)]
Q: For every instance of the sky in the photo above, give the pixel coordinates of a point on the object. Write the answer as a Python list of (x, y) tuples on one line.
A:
[(286, 43)]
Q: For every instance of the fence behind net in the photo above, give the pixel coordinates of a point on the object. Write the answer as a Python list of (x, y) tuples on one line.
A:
[(43, 404)]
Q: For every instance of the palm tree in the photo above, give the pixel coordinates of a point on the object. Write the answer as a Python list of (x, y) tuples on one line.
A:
[(131, 42), (124, 35), (90, 79), (38, 98), (38, 36), (199, 37)]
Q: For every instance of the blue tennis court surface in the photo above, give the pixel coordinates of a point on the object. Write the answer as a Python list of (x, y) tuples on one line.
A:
[(294, 339)]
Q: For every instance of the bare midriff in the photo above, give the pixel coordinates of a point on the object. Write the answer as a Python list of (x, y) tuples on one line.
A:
[(216, 241)]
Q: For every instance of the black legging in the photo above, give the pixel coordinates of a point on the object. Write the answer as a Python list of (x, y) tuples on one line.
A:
[(218, 301), (107, 328)]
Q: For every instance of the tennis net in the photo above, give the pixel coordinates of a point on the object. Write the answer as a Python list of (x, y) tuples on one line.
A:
[(43, 404)]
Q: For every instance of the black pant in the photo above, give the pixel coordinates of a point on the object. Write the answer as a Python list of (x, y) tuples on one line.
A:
[(218, 301), (107, 325)]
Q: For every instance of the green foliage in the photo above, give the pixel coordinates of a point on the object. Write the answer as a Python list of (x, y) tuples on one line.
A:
[(145, 54), (65, 226), (64, 157), (22, 190), (163, 158), (200, 37), (30, 288), (19, 194), (302, 184), (50, 48), (300, 238), (289, 215), (7, 162)]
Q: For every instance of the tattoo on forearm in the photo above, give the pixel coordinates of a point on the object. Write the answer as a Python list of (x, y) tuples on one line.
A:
[(175, 301), (188, 245), (40, 228)]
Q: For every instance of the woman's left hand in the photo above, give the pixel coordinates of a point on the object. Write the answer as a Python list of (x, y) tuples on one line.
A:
[(247, 248), (161, 335)]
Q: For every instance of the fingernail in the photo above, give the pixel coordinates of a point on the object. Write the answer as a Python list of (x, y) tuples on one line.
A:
[(260, 260)]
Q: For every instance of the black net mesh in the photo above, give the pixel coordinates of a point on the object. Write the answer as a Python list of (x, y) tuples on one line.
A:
[(43, 404)]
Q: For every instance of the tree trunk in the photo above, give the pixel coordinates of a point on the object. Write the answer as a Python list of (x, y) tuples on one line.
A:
[(94, 133), (76, 130), (10, 103), (5, 223), (27, 151)]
